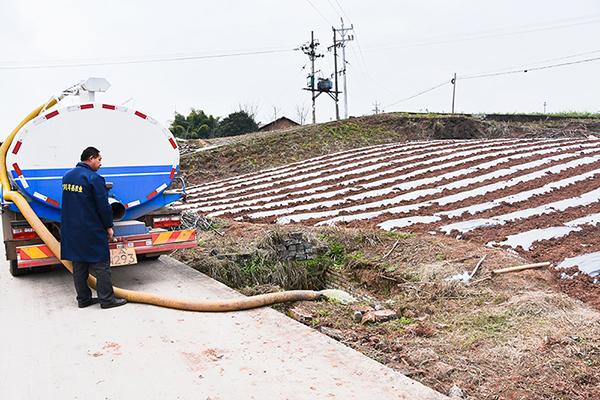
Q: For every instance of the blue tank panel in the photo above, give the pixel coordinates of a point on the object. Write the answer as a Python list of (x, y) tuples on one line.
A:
[(139, 188), (156, 203), (49, 213)]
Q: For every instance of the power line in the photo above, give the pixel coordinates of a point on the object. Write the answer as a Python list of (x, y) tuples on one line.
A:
[(439, 85), (478, 36), (361, 60), (531, 64), (360, 57), (485, 75), (343, 12), (335, 10), (143, 60), (319, 12)]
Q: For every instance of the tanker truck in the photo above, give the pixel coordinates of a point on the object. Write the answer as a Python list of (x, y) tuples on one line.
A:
[(140, 166)]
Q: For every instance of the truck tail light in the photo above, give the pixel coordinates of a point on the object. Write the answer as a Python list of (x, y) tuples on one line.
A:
[(166, 222), (22, 233)]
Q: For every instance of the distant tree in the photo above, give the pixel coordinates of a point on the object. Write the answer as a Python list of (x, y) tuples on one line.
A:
[(249, 108), (179, 126), (196, 125), (275, 113), (237, 123), (301, 113)]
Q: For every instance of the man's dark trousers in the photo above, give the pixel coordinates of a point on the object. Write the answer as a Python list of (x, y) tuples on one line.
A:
[(81, 272)]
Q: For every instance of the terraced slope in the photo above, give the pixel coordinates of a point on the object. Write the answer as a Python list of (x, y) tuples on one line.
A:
[(538, 196), (251, 153)]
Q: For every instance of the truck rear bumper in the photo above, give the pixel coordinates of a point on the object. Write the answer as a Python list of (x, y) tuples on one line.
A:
[(151, 243)]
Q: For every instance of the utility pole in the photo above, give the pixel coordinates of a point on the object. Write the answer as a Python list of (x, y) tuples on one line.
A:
[(453, 81), (310, 50), (544, 106), (377, 110), (335, 73), (312, 75), (344, 37)]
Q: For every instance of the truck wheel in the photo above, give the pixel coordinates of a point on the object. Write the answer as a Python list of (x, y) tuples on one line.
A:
[(15, 271)]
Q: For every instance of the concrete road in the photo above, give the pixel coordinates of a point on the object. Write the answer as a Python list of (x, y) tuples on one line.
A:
[(50, 349)]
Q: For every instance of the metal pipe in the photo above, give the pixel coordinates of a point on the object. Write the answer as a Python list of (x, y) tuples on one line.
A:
[(118, 209)]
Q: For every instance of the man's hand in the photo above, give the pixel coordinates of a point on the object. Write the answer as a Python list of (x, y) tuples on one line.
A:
[(111, 235)]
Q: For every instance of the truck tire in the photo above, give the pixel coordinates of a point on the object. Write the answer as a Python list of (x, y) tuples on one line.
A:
[(15, 271)]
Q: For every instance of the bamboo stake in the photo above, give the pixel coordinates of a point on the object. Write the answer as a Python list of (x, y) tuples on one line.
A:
[(475, 282), (477, 267), (520, 268), (392, 249)]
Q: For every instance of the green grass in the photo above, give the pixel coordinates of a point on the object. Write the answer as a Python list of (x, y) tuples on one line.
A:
[(324, 313), (572, 114), (483, 327), (491, 324), (336, 252), (343, 130), (427, 115), (399, 235), (358, 256), (398, 324)]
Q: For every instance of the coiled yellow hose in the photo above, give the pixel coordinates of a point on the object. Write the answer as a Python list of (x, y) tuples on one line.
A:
[(131, 295)]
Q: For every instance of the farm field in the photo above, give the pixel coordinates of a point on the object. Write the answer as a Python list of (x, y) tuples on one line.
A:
[(537, 196)]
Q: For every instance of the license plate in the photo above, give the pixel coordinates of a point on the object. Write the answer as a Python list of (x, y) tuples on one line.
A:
[(122, 256)]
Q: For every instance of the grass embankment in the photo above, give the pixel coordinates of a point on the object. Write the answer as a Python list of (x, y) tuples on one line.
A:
[(254, 152)]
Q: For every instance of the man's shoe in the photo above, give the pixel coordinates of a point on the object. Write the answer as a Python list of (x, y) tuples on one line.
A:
[(84, 304), (114, 303)]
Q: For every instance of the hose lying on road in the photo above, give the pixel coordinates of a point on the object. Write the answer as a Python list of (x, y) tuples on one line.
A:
[(131, 295)]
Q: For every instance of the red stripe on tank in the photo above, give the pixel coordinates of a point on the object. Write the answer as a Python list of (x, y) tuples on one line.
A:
[(17, 169), (51, 115), (52, 201), (17, 147)]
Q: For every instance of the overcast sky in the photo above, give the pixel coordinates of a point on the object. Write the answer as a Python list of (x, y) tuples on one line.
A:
[(401, 48)]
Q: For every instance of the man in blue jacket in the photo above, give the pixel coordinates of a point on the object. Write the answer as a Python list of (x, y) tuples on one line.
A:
[(86, 228)]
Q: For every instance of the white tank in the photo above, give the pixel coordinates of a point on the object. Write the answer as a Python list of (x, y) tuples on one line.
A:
[(139, 156)]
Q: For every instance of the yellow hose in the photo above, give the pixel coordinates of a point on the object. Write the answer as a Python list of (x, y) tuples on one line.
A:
[(131, 295)]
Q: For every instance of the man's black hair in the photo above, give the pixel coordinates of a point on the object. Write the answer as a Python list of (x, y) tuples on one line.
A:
[(89, 153)]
